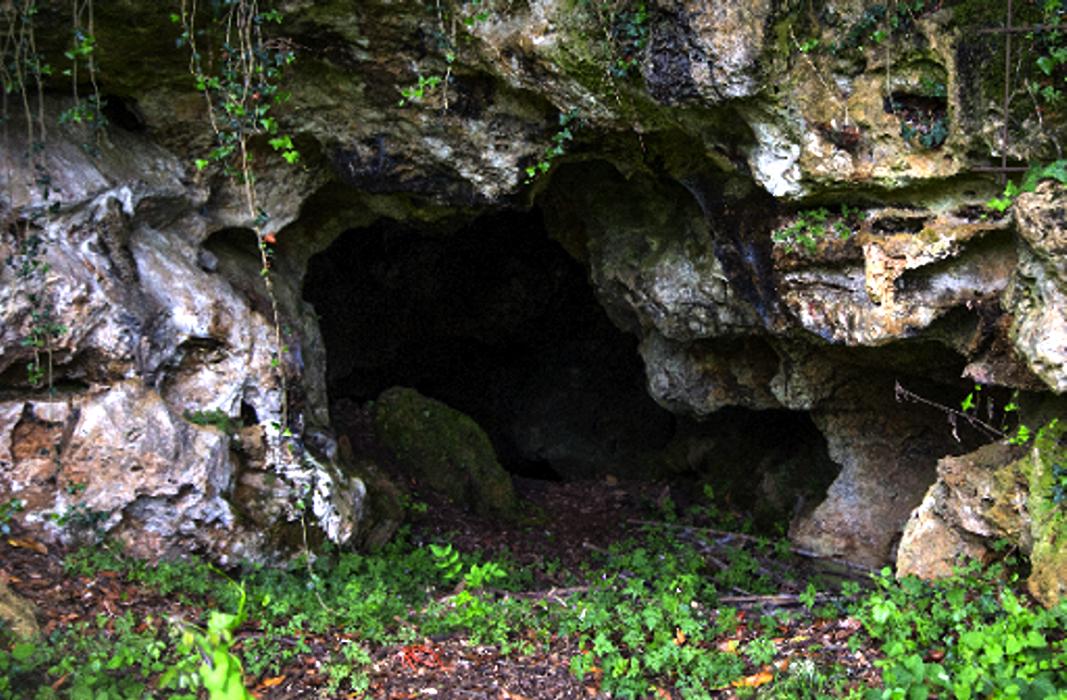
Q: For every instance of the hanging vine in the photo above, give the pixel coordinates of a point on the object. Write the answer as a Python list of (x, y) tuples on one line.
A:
[(88, 110), (23, 72), (240, 94)]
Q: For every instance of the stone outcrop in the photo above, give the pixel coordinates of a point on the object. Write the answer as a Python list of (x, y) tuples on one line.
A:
[(989, 499), (698, 135), (154, 358), (1038, 297)]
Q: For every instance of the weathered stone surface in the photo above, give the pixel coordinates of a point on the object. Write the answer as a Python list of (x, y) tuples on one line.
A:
[(700, 378), (705, 53), (1038, 296), (140, 335), (651, 254), (444, 450), (988, 495), (897, 274), (17, 615), (976, 499), (884, 449)]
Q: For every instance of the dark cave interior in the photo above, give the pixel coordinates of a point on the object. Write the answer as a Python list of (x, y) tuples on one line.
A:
[(496, 320)]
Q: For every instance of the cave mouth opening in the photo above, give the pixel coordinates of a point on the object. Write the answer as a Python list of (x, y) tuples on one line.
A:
[(496, 320)]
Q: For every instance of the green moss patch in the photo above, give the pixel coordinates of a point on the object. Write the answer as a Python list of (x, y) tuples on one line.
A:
[(444, 450)]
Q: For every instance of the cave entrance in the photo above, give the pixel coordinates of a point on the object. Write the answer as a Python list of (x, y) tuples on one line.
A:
[(494, 319)]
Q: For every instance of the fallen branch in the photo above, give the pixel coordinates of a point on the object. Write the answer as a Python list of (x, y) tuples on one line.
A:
[(800, 552), (776, 600)]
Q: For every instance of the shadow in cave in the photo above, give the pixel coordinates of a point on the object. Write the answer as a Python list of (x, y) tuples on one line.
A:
[(497, 321)]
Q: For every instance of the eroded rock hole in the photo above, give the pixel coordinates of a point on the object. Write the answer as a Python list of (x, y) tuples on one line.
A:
[(497, 321)]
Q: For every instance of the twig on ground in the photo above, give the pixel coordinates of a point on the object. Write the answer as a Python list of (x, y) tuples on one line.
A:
[(800, 552), (776, 600)]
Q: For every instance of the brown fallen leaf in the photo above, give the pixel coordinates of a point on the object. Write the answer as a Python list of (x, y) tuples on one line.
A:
[(28, 544), (272, 682), (754, 681), (728, 646)]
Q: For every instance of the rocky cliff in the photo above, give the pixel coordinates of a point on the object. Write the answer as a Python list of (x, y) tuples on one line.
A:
[(777, 204)]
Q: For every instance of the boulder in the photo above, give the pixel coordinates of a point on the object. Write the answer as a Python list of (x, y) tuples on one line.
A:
[(994, 494), (444, 450), (17, 615)]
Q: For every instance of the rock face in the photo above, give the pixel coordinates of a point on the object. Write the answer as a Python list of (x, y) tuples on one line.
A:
[(779, 207), (153, 363), (1038, 298), (989, 495)]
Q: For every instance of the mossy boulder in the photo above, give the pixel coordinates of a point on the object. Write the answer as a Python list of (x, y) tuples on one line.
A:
[(444, 451), (17, 615), (1048, 558), (994, 494)]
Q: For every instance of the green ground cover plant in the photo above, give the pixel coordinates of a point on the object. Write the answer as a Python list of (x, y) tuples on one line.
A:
[(645, 614)]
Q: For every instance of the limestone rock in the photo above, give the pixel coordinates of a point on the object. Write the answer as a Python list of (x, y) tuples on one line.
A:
[(1038, 295), (652, 256), (444, 450), (706, 53), (17, 615), (880, 483), (993, 494), (701, 378), (896, 275), (141, 337), (975, 500)]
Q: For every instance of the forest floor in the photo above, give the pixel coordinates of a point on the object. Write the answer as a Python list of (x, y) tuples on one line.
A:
[(576, 522), (603, 591)]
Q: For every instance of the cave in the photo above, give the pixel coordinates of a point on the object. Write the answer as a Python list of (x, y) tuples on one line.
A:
[(495, 319)]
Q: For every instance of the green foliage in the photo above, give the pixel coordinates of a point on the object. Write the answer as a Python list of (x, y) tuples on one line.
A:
[(649, 616), (216, 418), (814, 225), (1059, 483), (87, 111), (1056, 170), (1052, 55), (244, 90), (7, 513), (447, 560), (968, 636), (415, 93), (567, 122), (629, 36), (31, 273), (879, 22), (208, 650), (930, 133)]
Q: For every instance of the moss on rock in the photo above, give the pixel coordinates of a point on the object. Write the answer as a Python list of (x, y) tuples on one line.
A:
[(444, 450), (1048, 558)]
